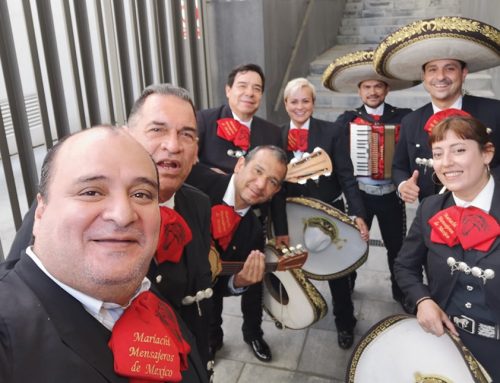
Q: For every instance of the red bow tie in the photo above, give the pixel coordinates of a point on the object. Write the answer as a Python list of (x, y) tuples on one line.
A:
[(175, 234), (470, 227), (436, 118), (224, 224), (297, 140), (231, 130), (147, 343), (362, 121)]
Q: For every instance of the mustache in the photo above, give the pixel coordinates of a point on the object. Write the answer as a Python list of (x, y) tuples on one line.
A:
[(445, 81)]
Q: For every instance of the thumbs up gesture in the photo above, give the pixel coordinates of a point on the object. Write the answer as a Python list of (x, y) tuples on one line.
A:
[(408, 190)]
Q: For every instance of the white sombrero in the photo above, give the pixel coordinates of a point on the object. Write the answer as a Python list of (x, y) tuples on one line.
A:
[(346, 72), (332, 240), (403, 53)]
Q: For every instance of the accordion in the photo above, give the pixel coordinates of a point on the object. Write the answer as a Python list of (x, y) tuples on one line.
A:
[(372, 148)]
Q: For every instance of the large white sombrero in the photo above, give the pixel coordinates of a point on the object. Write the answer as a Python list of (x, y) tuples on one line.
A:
[(346, 72), (403, 53), (332, 240)]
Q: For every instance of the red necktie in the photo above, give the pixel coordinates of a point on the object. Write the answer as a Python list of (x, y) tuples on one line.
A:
[(147, 343), (470, 227), (297, 140), (174, 235), (224, 224), (231, 130), (441, 115)]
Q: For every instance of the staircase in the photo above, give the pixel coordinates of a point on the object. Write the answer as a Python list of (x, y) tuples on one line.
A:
[(364, 25)]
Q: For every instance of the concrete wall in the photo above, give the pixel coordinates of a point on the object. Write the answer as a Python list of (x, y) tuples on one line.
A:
[(265, 32), (487, 11)]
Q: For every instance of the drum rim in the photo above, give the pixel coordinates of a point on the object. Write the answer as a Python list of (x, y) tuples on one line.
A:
[(335, 213), (379, 327)]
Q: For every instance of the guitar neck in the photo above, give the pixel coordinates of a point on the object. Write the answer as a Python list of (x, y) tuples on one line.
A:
[(229, 268)]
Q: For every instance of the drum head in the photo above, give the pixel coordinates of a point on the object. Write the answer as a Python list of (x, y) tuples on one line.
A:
[(330, 237), (397, 349)]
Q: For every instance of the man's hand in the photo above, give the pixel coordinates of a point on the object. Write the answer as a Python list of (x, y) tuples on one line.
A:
[(363, 228), (253, 270), (409, 189), (433, 319), (282, 240)]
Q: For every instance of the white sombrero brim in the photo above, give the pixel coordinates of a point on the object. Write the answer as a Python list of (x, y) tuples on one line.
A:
[(347, 72), (403, 53), (326, 259)]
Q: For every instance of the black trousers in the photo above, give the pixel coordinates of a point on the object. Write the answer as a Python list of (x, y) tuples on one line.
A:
[(251, 307), (340, 288), (391, 216)]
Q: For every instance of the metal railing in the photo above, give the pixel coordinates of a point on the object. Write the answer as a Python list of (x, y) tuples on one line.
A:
[(89, 61)]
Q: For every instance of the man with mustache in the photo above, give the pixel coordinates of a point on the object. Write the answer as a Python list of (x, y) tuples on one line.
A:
[(236, 230), (354, 72), (227, 133), (79, 296), (441, 57), (163, 120)]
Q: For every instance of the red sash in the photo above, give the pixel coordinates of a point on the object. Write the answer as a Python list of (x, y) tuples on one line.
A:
[(147, 343), (174, 235), (470, 227), (224, 224), (297, 140), (231, 130), (441, 115)]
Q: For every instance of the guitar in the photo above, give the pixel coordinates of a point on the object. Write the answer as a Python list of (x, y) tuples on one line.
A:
[(310, 166), (291, 258), (290, 299)]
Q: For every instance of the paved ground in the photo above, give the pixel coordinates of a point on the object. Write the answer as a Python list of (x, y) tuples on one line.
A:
[(310, 355)]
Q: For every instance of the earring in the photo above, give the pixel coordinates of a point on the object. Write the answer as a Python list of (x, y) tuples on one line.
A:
[(435, 179)]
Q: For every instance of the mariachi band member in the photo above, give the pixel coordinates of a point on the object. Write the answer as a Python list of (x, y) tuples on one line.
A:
[(237, 233), (441, 56), (226, 133), (455, 238), (352, 73), (302, 134)]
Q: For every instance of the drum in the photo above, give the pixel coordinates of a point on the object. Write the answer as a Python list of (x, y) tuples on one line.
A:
[(397, 349), (289, 298), (330, 237)]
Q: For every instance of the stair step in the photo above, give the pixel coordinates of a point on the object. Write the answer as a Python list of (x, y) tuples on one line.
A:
[(423, 13), (380, 31), (360, 21)]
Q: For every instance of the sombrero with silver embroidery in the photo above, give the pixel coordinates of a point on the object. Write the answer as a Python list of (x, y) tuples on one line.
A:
[(403, 53), (331, 239), (346, 72)]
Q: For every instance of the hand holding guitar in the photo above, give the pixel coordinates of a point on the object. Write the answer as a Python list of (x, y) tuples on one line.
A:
[(253, 270)]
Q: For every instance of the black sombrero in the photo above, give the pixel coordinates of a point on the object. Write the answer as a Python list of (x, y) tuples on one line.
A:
[(403, 53), (346, 72)]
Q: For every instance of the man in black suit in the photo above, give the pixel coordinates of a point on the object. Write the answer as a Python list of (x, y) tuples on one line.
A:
[(443, 79), (441, 57), (351, 73), (257, 177), (302, 134), (227, 133), (79, 294), (163, 120)]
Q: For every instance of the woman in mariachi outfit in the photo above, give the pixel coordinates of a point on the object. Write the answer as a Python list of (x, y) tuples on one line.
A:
[(455, 238)]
